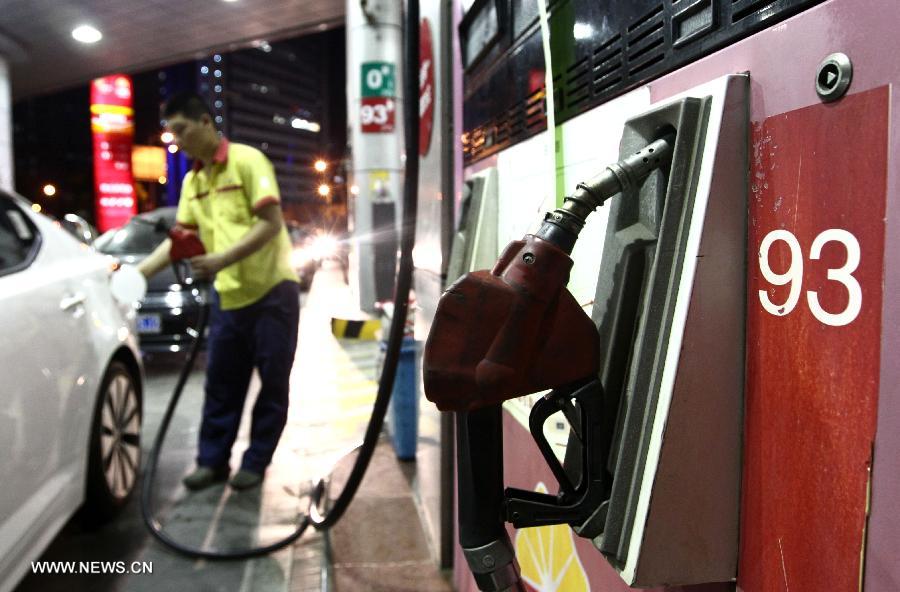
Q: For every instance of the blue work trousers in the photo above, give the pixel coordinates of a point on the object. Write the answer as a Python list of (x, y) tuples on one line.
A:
[(262, 335)]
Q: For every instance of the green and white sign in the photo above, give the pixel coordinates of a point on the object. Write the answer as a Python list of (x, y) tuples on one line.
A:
[(378, 79)]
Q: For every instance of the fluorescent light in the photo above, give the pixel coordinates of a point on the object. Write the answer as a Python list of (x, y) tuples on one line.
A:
[(86, 34)]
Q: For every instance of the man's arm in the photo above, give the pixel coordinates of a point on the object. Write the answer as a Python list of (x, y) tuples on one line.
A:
[(266, 228), (157, 260)]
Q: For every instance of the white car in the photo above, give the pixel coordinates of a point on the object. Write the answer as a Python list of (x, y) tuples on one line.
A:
[(70, 387)]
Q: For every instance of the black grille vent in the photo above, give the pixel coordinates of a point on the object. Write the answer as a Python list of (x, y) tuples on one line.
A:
[(647, 49), (578, 83), (535, 114), (621, 44), (645, 20), (608, 65)]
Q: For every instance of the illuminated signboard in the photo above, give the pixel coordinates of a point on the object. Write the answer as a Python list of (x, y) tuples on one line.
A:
[(112, 126), (148, 163)]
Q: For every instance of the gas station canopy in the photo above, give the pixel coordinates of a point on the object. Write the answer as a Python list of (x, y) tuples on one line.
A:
[(36, 35)]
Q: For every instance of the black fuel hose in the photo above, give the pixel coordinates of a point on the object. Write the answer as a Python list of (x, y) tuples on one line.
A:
[(316, 518)]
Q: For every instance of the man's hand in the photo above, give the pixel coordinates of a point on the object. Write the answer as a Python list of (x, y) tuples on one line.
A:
[(205, 267), (156, 260), (267, 226)]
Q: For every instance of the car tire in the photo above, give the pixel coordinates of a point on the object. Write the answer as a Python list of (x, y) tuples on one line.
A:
[(115, 445)]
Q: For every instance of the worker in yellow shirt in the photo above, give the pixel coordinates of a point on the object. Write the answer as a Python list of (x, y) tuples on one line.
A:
[(231, 199)]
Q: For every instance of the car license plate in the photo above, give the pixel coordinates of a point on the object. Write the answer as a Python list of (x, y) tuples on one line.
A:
[(149, 323)]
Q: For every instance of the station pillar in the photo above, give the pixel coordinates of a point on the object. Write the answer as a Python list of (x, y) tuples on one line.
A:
[(6, 136)]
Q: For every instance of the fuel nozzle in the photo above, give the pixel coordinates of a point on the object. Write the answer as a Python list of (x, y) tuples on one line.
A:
[(562, 225), (516, 330)]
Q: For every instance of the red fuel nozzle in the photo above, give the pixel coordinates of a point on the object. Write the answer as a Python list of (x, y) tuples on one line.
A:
[(185, 244), (509, 332)]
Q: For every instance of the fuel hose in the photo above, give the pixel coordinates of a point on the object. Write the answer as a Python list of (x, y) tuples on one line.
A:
[(318, 517)]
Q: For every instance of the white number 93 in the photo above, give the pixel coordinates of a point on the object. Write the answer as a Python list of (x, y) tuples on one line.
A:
[(794, 276)]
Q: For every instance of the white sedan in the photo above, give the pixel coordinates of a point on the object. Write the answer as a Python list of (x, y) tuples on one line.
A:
[(70, 387)]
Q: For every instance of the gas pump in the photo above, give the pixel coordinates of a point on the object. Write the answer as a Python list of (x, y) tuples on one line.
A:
[(516, 330)]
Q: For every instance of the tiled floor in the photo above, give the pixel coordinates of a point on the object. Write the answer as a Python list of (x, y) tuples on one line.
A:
[(380, 545)]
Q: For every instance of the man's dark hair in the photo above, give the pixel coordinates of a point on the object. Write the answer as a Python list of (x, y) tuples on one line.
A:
[(188, 104)]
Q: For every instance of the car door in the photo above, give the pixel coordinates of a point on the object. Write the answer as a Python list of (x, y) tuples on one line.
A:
[(42, 355)]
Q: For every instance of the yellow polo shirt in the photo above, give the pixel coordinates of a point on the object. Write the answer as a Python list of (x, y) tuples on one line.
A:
[(222, 203)]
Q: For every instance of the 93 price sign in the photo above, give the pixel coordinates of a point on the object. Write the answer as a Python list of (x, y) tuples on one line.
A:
[(376, 115), (793, 275)]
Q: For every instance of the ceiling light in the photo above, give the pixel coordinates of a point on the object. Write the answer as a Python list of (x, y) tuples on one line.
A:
[(86, 34)]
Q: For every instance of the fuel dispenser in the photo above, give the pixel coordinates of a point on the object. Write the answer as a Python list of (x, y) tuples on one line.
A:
[(651, 383), (475, 240)]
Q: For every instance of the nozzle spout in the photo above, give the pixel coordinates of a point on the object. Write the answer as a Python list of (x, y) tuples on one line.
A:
[(561, 226)]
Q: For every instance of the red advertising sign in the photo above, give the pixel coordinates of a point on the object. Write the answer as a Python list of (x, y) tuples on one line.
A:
[(426, 87), (112, 126), (376, 114), (816, 252)]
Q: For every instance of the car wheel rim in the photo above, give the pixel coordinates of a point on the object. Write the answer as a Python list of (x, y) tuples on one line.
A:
[(120, 435)]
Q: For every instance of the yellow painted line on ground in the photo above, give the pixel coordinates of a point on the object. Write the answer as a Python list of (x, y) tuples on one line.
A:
[(355, 329), (357, 401), (355, 390)]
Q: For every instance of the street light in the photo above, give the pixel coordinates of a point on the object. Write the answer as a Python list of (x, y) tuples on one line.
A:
[(320, 165), (324, 190), (49, 190)]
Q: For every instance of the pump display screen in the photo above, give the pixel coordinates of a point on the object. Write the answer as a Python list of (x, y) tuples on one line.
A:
[(481, 31)]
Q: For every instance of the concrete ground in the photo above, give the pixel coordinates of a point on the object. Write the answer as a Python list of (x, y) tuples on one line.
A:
[(378, 546)]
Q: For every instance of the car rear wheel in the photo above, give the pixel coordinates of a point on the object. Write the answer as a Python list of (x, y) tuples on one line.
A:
[(115, 446)]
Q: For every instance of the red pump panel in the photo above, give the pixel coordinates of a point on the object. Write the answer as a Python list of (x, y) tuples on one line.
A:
[(817, 204)]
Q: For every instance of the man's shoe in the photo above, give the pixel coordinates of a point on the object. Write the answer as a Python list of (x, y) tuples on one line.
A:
[(245, 479), (203, 477)]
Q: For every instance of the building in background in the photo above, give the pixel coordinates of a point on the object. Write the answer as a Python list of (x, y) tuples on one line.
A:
[(285, 98)]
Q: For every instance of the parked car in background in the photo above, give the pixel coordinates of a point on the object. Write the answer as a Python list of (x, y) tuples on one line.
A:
[(167, 317), (71, 401), (79, 228)]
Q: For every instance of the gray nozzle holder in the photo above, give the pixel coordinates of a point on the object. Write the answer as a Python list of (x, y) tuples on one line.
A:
[(562, 226)]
